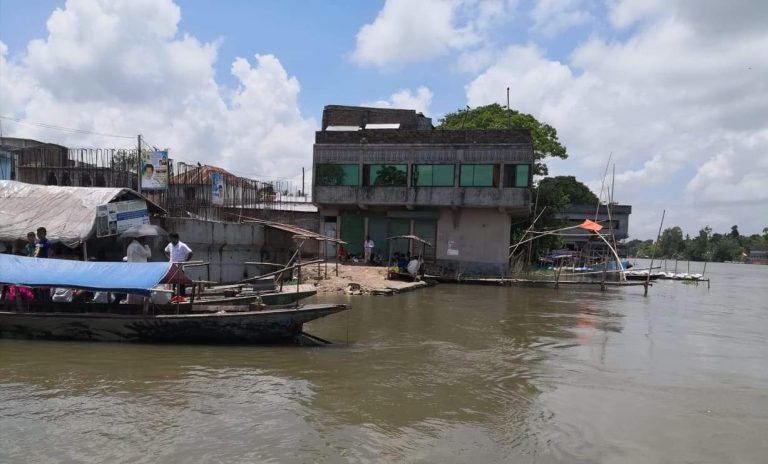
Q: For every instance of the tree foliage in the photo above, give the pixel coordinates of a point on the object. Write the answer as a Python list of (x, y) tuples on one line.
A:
[(561, 191), (495, 116), (330, 174), (554, 195), (390, 176), (706, 246)]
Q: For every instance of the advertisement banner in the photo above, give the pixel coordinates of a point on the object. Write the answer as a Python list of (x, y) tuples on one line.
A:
[(154, 170), (217, 188), (116, 218)]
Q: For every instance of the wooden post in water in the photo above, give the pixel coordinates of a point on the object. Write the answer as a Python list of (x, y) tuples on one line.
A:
[(605, 273), (653, 254)]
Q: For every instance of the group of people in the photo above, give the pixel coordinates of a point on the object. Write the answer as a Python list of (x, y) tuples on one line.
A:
[(176, 251), (403, 262), (400, 262), (37, 245)]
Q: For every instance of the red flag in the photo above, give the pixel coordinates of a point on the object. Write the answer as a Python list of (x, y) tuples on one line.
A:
[(591, 225)]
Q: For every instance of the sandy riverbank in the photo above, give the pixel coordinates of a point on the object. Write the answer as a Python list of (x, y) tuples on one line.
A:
[(371, 279)]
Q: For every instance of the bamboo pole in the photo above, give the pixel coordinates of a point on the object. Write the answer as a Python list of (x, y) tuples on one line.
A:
[(653, 253)]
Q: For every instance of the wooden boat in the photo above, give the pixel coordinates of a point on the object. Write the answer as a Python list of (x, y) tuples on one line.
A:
[(227, 325), (170, 323)]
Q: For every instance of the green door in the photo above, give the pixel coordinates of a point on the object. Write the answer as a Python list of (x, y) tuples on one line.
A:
[(426, 230), (352, 230), (377, 229)]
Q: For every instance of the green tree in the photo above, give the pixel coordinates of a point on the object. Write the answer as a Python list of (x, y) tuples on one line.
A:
[(125, 160), (330, 174), (671, 242), (495, 116), (560, 191), (726, 248), (697, 249), (390, 176), (556, 194)]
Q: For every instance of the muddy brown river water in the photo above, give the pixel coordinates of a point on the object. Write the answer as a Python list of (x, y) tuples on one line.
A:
[(447, 374)]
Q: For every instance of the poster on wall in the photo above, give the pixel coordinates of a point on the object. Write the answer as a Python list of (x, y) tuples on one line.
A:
[(116, 218), (452, 250), (217, 188), (154, 170)]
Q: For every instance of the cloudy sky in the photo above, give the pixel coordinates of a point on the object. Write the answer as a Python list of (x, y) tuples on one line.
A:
[(675, 91)]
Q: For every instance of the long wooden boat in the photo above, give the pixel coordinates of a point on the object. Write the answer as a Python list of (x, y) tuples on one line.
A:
[(170, 323), (228, 325)]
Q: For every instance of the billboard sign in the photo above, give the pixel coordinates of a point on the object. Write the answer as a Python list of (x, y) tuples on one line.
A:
[(115, 218), (154, 170), (217, 188)]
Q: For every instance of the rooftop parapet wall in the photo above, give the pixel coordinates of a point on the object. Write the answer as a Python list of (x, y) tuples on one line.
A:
[(339, 115), (432, 137)]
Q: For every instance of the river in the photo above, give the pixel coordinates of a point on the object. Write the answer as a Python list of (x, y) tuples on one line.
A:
[(446, 374)]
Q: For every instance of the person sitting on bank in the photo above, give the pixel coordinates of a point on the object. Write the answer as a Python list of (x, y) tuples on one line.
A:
[(414, 266), (402, 263)]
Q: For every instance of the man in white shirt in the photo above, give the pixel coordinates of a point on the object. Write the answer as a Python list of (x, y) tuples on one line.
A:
[(177, 251), (138, 251), (368, 248)]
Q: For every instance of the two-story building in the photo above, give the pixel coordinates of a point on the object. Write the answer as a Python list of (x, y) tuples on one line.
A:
[(386, 172), (615, 221)]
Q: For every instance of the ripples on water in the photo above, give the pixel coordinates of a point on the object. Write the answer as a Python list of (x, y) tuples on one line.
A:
[(448, 374)]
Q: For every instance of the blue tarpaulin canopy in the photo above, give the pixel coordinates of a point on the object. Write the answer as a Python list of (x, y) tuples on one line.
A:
[(115, 277)]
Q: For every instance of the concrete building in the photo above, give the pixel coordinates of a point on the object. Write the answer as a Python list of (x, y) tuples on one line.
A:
[(617, 222), (386, 172)]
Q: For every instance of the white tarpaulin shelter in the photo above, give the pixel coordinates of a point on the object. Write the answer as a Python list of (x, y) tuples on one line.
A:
[(67, 213)]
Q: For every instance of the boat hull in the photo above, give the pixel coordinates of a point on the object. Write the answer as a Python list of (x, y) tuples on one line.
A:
[(238, 327)]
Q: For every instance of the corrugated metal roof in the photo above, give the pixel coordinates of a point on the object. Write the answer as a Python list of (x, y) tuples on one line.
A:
[(294, 230), (67, 213)]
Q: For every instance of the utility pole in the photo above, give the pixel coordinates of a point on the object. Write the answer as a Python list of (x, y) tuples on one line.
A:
[(138, 161), (509, 112), (303, 192)]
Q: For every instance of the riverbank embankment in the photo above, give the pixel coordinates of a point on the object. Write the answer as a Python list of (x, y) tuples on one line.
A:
[(356, 279)]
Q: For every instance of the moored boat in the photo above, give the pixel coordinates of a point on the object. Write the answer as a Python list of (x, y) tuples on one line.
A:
[(250, 323)]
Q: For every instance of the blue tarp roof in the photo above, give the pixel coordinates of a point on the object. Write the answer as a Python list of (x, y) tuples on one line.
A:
[(116, 277)]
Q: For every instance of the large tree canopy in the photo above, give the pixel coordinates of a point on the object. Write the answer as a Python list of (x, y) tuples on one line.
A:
[(495, 116), (561, 191)]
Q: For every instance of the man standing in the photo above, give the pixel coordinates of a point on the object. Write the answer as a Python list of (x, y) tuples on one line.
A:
[(42, 245), (138, 251), (368, 248), (178, 252)]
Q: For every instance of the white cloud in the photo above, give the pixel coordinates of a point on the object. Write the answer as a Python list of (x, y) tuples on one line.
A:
[(405, 99), (406, 31), (122, 67), (553, 16), (684, 114)]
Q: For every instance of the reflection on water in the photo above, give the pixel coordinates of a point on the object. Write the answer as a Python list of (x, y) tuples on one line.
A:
[(447, 374)]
